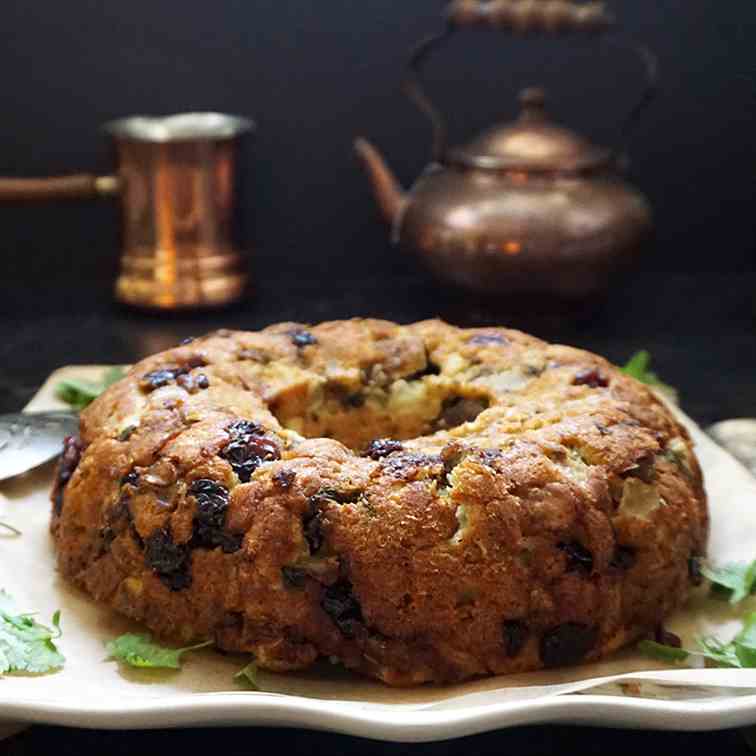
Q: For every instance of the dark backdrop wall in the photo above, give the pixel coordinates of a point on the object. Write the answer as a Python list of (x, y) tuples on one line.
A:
[(315, 74)]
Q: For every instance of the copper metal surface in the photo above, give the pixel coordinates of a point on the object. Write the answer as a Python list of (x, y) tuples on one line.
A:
[(526, 207), (181, 246), (177, 178), (527, 16)]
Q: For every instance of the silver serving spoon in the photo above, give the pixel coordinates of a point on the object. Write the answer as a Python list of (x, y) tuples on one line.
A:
[(28, 440)]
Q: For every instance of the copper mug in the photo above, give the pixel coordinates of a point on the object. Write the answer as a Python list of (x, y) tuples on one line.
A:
[(178, 180)]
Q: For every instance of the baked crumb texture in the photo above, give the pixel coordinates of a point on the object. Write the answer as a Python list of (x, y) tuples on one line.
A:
[(421, 503)]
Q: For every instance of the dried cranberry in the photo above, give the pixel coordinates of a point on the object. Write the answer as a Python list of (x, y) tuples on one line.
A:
[(210, 518), (592, 377), (666, 638), (312, 525), (170, 561), (488, 338), (242, 428), (302, 338), (567, 644), (69, 461), (284, 479), (382, 447), (623, 558), (130, 479), (248, 448), (158, 378), (515, 634), (294, 576), (579, 559), (342, 607)]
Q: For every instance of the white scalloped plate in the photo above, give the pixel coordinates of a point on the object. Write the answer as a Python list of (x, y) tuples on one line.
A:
[(623, 691)]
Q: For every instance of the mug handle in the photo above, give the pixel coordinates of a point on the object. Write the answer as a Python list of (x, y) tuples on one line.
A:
[(78, 186)]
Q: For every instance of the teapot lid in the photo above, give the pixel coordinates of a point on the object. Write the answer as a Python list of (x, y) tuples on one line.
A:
[(532, 143)]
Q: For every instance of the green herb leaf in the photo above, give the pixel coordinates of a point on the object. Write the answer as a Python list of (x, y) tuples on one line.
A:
[(80, 393), (248, 675), (638, 367), (140, 651), (745, 642), (662, 652), (722, 654), (25, 645), (737, 580), (112, 375)]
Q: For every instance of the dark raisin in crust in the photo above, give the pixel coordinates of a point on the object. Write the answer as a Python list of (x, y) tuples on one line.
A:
[(302, 338), (210, 518), (284, 479), (342, 607), (567, 644), (579, 559), (170, 561), (69, 461), (249, 448), (382, 447), (515, 635)]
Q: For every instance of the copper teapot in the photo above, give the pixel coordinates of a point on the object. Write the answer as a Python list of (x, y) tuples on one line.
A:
[(526, 207)]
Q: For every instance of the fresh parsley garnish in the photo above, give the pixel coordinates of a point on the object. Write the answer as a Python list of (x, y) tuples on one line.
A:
[(25, 645), (722, 654), (661, 651), (248, 675), (80, 393), (140, 651), (638, 367), (739, 652), (737, 581)]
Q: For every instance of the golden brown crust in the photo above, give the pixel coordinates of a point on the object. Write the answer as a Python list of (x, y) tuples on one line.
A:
[(529, 506)]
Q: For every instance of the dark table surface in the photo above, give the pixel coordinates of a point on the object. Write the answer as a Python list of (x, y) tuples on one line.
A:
[(700, 328)]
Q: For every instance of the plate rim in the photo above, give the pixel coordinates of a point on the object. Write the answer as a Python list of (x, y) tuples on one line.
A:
[(399, 724)]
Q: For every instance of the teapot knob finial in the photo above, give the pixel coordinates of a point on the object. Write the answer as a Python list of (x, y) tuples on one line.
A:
[(533, 104)]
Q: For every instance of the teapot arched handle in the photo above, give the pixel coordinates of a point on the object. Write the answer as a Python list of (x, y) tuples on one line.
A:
[(521, 17)]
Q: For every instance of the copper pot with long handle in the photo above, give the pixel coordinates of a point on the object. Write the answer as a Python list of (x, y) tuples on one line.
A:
[(177, 178), (528, 207)]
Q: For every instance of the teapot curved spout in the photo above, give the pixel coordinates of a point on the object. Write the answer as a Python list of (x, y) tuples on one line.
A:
[(388, 192)]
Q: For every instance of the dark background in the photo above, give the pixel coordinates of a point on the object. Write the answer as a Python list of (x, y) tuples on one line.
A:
[(315, 74)]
